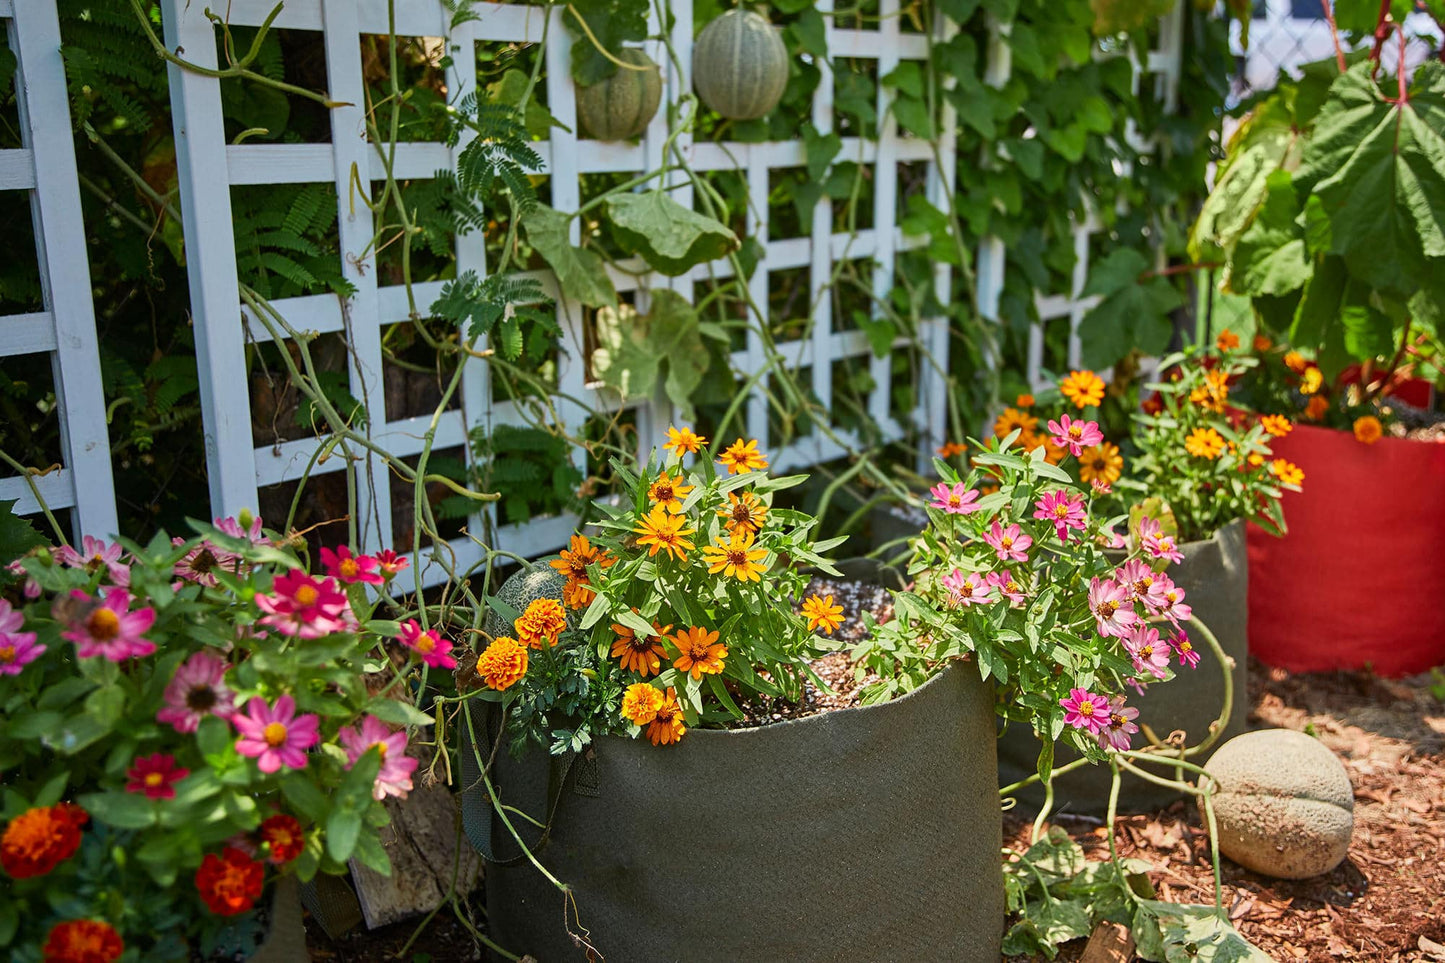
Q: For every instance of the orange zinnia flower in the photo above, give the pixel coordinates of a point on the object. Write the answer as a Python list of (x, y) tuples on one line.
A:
[(640, 703), (283, 837), (1287, 472), (744, 513), (1262, 343), (669, 492), (1204, 443), (1014, 420), (229, 883), (543, 622), (660, 530), (1316, 408), (1024, 401), (737, 558), (1277, 425), (578, 593), (701, 652), (1295, 362), (82, 941), (950, 449), (1368, 429), (642, 655), (741, 457), (38, 840), (1227, 340), (502, 663), (1084, 388), (581, 553), (1102, 462), (822, 613), (667, 726), (684, 441)]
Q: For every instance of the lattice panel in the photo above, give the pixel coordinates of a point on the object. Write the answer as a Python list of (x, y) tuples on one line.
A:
[(64, 328), (207, 164)]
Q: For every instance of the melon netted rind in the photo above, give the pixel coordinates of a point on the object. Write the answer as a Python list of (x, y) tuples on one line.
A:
[(522, 589), (1285, 806), (621, 106), (740, 66)]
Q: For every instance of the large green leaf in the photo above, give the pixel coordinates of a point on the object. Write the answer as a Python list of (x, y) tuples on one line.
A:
[(1270, 256), (614, 23), (1263, 144), (1175, 933), (580, 272), (669, 237), (633, 349), (1378, 168), (1134, 312)]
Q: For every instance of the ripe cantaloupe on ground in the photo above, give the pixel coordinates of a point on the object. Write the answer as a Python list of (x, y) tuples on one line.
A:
[(624, 104), (1284, 806), (740, 66)]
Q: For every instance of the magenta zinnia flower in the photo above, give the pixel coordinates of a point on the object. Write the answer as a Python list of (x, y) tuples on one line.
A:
[(155, 775), (17, 649), (109, 628), (196, 691), (305, 607), (348, 568), (1167, 599), (1064, 510), (426, 643), (1113, 612), (1121, 725), (956, 499), (390, 563), (1084, 710), (251, 533), (966, 588), (1008, 543), (94, 555), (201, 562), (394, 779), (1188, 654), (1137, 577), (1075, 435), (1149, 653), (1007, 586), (1154, 541), (275, 737)]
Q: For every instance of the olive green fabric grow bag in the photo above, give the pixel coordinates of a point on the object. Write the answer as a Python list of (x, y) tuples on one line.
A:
[(1215, 579), (864, 834)]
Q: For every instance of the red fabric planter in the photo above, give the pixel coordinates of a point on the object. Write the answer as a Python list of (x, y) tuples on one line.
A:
[(1360, 578)]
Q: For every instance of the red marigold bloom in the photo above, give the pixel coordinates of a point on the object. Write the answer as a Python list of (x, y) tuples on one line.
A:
[(229, 883), (155, 775), (348, 568), (283, 837), (40, 839), (82, 941)]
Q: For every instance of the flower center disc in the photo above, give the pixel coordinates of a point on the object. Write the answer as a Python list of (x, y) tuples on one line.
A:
[(104, 624), (274, 734)]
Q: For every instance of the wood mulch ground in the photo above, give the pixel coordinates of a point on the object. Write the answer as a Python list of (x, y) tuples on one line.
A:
[(1386, 902)]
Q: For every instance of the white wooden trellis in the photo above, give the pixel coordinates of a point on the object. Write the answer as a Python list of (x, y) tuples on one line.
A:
[(208, 166), (64, 328)]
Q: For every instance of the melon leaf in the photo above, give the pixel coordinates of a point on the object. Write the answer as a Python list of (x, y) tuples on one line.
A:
[(580, 272), (633, 349), (668, 236)]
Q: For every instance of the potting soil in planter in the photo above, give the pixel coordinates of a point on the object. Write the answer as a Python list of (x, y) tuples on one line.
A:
[(1215, 579)]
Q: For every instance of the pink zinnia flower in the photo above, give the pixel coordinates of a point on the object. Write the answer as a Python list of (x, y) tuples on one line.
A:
[(109, 628), (199, 565), (1100, 486), (1075, 435), (1156, 543), (348, 568), (251, 533), (394, 779), (1136, 576), (94, 555), (155, 775), (390, 563), (1064, 510), (956, 500), (1137, 684), (1111, 539), (31, 587), (1084, 710), (17, 649), (1188, 654), (1149, 653), (1113, 612), (305, 607), (1167, 599), (966, 588), (430, 646), (1008, 543), (196, 691), (1007, 586), (275, 737), (1121, 725)]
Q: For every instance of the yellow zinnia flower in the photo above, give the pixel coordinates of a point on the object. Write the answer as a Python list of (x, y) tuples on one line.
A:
[(660, 530), (640, 703), (741, 457), (1084, 388), (669, 492), (737, 558), (684, 441), (578, 593), (1204, 443), (1277, 425), (744, 513), (700, 652), (1311, 381), (1014, 420), (1287, 472), (1102, 462), (822, 613)]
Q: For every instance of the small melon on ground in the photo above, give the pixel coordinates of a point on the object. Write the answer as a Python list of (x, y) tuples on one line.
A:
[(521, 590), (740, 65), (1284, 807), (624, 104)]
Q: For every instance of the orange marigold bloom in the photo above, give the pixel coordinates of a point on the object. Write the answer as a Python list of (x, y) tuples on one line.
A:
[(1277, 425), (736, 558), (1102, 462), (683, 441), (1311, 381), (502, 663), (573, 561), (1227, 340), (744, 513), (1024, 400), (640, 703), (1316, 408), (641, 655), (1295, 362), (38, 840), (1287, 472), (283, 837), (669, 492), (229, 883), (1204, 443), (543, 622), (1262, 343), (667, 725), (741, 457), (1012, 420), (660, 530), (1084, 388), (82, 941), (822, 613), (1368, 429), (951, 448), (701, 652)]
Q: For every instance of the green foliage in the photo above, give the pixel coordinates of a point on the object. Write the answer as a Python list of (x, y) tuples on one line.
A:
[(531, 468), (502, 307), (1133, 314), (285, 240), (635, 350), (613, 23), (499, 153), (668, 236), (581, 274)]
